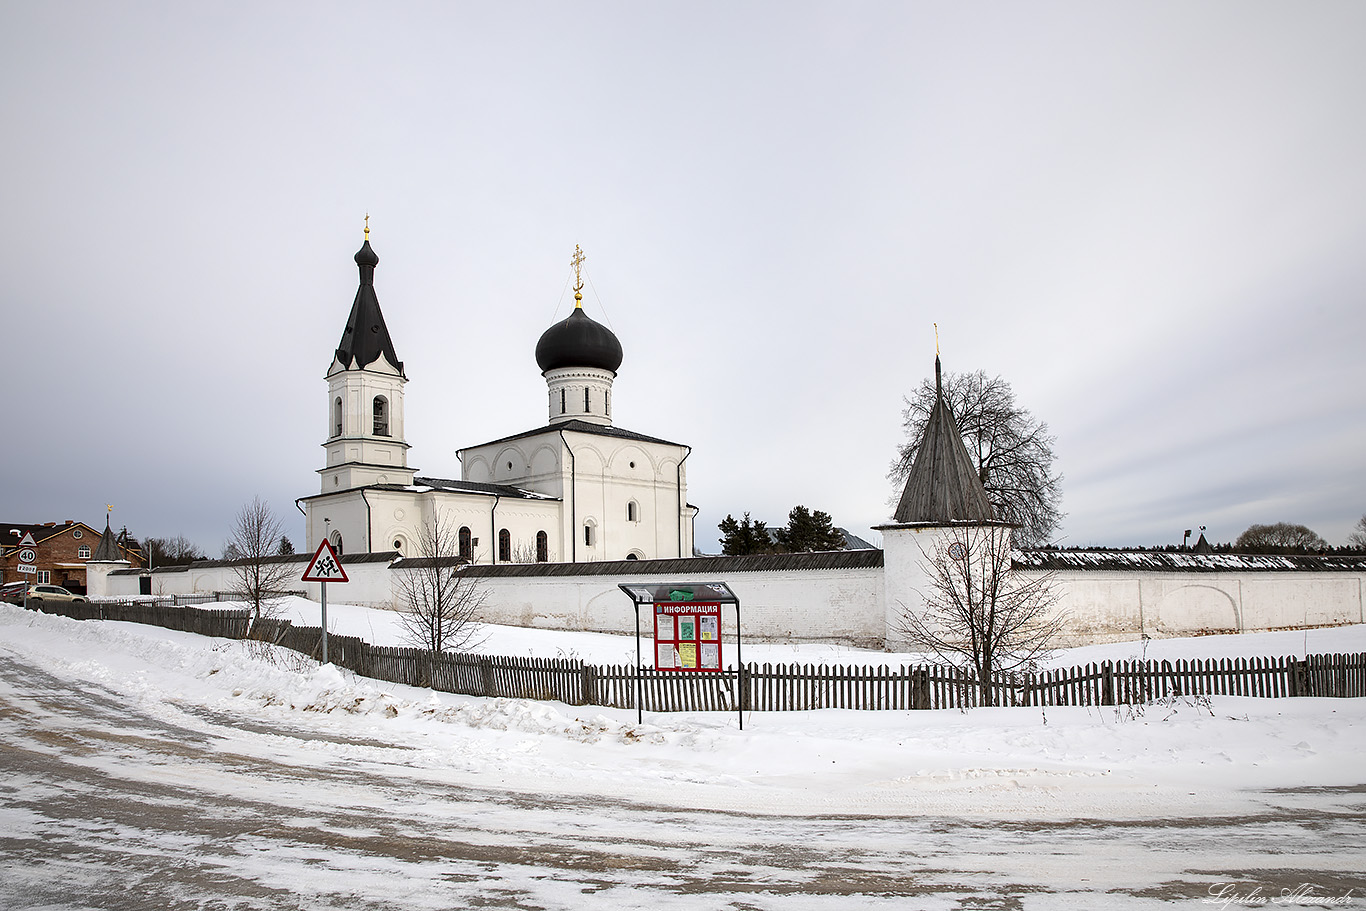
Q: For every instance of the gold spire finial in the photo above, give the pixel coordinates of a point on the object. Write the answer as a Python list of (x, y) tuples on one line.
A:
[(577, 263), (936, 340), (367, 226)]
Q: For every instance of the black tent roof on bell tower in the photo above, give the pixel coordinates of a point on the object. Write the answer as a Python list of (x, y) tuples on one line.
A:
[(943, 487), (366, 337)]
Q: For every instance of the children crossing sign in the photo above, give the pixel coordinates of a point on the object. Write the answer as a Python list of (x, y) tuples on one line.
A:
[(325, 566)]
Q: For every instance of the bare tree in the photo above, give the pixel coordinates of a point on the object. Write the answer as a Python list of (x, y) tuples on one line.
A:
[(1357, 539), (979, 611), (259, 575), (1279, 538), (175, 551), (1012, 450), (440, 603)]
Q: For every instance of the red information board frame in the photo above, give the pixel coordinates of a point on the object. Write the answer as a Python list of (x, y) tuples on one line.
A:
[(688, 636)]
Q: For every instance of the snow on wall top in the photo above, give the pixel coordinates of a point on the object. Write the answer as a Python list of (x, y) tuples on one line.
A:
[(1185, 561)]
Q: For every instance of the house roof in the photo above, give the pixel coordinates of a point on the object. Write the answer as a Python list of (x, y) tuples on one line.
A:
[(44, 531), (579, 427), (943, 487), (366, 336), (40, 531)]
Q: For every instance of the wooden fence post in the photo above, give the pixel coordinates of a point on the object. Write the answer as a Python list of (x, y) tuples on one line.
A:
[(590, 685), (920, 688), (1107, 684)]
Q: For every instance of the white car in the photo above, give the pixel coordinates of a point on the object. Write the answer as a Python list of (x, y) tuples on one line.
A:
[(37, 594)]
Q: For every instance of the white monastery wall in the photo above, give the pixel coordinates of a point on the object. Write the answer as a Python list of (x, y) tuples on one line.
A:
[(843, 605), (1116, 606), (860, 605)]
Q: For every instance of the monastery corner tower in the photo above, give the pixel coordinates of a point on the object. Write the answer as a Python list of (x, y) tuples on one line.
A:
[(942, 497)]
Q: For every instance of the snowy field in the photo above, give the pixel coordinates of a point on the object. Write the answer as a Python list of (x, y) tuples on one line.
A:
[(141, 767)]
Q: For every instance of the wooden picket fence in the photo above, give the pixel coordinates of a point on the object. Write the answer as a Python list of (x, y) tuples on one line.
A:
[(764, 687)]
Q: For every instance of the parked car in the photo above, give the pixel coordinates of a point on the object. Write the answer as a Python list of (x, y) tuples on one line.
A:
[(37, 594)]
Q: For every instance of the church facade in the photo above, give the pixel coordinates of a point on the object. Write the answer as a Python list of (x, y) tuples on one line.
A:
[(578, 489)]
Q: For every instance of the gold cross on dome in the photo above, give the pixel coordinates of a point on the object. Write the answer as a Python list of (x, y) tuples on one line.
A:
[(367, 225), (577, 263)]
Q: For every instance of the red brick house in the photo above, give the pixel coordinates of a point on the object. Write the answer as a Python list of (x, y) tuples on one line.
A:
[(62, 550)]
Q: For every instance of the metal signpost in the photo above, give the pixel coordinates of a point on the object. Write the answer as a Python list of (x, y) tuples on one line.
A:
[(325, 567), (28, 560), (687, 631)]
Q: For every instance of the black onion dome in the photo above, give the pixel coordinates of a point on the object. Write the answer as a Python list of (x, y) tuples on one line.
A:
[(366, 256), (578, 341)]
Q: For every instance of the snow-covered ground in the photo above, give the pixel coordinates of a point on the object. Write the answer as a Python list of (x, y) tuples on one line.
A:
[(1290, 769), (382, 627)]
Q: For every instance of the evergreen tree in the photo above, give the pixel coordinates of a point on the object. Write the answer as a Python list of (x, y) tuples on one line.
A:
[(748, 536), (286, 546), (808, 531)]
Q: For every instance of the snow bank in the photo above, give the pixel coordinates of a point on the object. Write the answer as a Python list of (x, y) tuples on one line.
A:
[(1063, 762)]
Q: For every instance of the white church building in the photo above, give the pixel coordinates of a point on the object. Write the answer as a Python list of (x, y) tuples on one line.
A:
[(577, 490)]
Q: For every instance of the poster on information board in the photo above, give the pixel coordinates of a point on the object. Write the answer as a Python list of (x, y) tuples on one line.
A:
[(688, 636)]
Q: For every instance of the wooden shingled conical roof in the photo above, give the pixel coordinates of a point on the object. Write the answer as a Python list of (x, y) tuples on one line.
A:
[(943, 487), (108, 549)]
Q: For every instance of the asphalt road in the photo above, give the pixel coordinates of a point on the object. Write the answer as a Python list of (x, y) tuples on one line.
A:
[(103, 805)]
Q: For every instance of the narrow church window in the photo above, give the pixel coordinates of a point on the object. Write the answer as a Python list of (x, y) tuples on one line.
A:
[(504, 546), (587, 535), (381, 416), (542, 547), (632, 512), (466, 544), (337, 542), (562, 405), (586, 407), (337, 417)]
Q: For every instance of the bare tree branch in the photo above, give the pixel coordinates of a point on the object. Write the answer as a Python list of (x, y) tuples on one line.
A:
[(440, 604), (1012, 450), (979, 612), (258, 572)]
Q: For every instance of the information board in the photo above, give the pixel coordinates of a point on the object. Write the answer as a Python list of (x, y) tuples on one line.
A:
[(688, 636)]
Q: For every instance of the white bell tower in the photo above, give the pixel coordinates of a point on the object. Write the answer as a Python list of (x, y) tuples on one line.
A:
[(365, 444)]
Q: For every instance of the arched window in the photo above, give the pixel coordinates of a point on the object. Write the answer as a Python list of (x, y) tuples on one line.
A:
[(504, 546), (562, 398), (588, 533), (83, 552), (542, 547), (632, 556), (466, 544), (337, 542), (381, 416), (586, 407), (337, 417), (632, 512)]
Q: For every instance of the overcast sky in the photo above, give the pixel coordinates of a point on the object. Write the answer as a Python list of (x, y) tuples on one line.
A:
[(1150, 218)]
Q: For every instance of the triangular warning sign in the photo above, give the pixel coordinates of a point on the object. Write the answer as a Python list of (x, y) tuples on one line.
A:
[(325, 566), (27, 541)]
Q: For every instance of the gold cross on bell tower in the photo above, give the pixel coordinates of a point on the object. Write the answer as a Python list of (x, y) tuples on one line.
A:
[(577, 263)]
